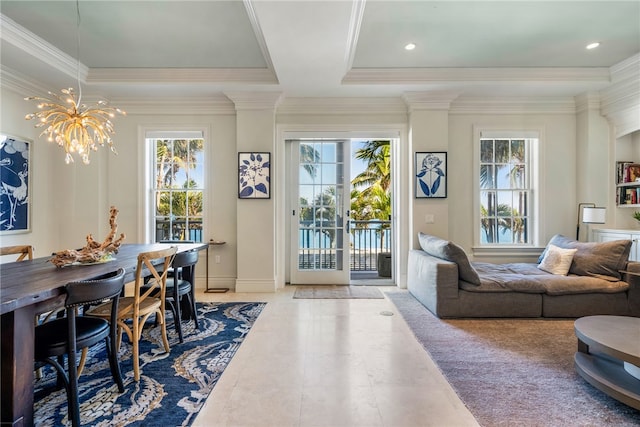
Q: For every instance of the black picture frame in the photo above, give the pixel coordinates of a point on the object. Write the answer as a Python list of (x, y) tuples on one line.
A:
[(430, 175), (254, 175)]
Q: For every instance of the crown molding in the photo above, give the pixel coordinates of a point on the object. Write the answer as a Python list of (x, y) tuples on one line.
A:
[(181, 75), (254, 100), (437, 100), (22, 86), (589, 101), (257, 31), (621, 101), (627, 69), (514, 105), (355, 21), (332, 106), (16, 82), (216, 105), (39, 48), (426, 75)]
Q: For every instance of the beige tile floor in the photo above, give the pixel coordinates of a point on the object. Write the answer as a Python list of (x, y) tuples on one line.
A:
[(329, 363)]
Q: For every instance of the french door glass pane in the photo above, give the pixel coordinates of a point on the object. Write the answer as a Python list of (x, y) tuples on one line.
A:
[(320, 206)]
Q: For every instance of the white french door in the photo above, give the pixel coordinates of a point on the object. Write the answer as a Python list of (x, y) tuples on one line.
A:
[(320, 209)]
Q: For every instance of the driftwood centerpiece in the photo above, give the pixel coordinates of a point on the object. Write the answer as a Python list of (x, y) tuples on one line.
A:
[(93, 251)]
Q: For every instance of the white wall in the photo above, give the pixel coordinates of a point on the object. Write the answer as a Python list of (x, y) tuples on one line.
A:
[(70, 201), (46, 199), (557, 180)]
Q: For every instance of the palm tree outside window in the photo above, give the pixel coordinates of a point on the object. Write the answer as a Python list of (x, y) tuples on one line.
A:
[(505, 191), (178, 189), (371, 193)]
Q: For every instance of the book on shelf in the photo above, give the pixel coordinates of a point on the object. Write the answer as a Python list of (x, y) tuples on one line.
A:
[(628, 196), (627, 172)]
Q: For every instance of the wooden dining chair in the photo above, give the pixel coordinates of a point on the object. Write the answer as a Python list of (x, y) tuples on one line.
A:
[(65, 336), (23, 252), (137, 308)]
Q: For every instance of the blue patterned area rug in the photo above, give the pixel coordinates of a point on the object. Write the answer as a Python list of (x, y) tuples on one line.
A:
[(172, 388)]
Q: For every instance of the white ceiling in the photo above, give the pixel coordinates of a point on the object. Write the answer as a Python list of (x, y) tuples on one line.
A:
[(306, 48)]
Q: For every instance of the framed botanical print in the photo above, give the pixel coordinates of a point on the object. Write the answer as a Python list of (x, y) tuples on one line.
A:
[(431, 175), (254, 175), (15, 168)]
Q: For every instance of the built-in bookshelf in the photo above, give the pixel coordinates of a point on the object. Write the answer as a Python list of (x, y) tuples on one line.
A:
[(628, 184)]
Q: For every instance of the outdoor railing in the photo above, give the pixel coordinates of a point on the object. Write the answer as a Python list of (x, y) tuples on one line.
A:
[(368, 239), (178, 230)]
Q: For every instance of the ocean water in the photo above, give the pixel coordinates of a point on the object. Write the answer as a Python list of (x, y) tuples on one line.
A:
[(368, 239)]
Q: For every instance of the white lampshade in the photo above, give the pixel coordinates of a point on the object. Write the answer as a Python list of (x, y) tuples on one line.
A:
[(594, 215)]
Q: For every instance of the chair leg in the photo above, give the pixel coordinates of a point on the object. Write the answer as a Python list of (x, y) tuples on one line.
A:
[(194, 310), (119, 338), (83, 360), (134, 357), (114, 364), (72, 397), (163, 325), (177, 319), (62, 377)]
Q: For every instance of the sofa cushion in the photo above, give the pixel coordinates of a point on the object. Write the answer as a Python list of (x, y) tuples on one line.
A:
[(511, 277), (557, 260), (449, 251), (528, 278), (597, 259)]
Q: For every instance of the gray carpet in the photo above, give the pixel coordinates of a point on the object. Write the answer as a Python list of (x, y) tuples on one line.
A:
[(513, 372), (337, 292)]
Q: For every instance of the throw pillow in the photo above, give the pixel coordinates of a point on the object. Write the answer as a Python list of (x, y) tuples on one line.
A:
[(449, 251), (557, 260), (595, 259)]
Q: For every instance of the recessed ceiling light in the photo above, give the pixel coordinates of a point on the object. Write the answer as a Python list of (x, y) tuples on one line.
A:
[(410, 46), (593, 45)]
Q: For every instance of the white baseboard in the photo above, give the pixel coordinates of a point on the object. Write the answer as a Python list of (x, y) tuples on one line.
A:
[(216, 282), (244, 285)]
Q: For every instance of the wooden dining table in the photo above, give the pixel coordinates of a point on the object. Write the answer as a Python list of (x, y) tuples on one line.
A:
[(31, 287)]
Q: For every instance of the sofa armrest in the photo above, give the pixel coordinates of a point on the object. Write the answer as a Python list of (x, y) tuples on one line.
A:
[(631, 275), (432, 281)]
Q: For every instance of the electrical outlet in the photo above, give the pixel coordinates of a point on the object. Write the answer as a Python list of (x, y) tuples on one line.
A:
[(429, 218), (217, 259)]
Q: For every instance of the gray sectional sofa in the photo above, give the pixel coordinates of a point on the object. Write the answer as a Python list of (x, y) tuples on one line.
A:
[(443, 279)]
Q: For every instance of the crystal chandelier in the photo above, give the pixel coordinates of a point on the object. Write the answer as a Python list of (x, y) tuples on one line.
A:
[(75, 127)]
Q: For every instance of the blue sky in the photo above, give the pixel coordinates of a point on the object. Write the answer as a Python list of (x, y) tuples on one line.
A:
[(357, 166)]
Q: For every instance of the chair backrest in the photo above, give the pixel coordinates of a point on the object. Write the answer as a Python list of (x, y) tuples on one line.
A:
[(152, 275), (185, 259), (184, 263), (87, 292), (95, 290), (25, 251)]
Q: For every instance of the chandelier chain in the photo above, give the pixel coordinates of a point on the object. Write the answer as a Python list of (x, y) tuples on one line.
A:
[(76, 128)]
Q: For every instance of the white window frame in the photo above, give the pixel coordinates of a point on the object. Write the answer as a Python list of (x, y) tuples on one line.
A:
[(536, 222), (146, 173)]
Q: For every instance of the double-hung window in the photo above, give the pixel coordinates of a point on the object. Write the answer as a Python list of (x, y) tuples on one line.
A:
[(506, 188), (178, 186)]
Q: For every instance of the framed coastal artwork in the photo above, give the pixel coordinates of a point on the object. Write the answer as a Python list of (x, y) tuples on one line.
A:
[(15, 168), (254, 175), (431, 175)]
